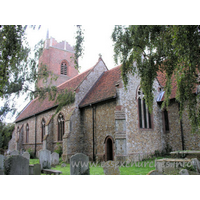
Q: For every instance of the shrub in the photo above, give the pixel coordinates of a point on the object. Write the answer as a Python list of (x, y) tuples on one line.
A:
[(31, 152), (58, 149)]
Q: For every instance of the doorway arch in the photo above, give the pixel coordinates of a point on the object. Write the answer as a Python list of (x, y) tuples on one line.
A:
[(109, 155)]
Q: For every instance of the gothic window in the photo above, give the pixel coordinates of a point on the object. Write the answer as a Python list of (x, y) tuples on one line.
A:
[(43, 128), (166, 121), (27, 133), (144, 115), (60, 127), (64, 68)]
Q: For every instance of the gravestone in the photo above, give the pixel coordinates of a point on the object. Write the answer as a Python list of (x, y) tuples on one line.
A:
[(184, 172), (14, 152), (154, 172), (54, 158), (26, 155), (196, 164), (79, 164), (16, 165), (63, 165), (35, 169), (111, 168), (1, 161), (45, 159)]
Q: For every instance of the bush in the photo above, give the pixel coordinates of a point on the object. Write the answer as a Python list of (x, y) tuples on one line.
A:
[(31, 152), (58, 149)]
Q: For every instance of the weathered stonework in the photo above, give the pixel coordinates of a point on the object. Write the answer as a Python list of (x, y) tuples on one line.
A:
[(103, 128)]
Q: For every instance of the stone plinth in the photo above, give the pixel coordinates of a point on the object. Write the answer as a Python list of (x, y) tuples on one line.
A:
[(171, 166), (187, 154)]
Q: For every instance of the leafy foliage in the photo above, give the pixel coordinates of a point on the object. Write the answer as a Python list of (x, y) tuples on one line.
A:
[(5, 134), (172, 50), (19, 69), (64, 98), (79, 47)]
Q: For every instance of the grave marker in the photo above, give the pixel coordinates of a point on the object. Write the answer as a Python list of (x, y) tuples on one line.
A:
[(16, 165), (54, 158), (1, 161), (111, 168), (26, 155), (45, 159), (79, 164)]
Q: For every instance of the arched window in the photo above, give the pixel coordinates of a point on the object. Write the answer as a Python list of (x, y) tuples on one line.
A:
[(60, 127), (43, 128), (27, 133), (63, 68), (144, 115)]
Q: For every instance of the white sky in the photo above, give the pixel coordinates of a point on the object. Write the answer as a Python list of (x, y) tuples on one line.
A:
[(97, 41)]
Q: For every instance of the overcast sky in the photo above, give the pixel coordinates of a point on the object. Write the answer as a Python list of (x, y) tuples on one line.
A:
[(97, 41)]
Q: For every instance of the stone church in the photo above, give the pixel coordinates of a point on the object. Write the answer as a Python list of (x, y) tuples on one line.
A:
[(106, 122)]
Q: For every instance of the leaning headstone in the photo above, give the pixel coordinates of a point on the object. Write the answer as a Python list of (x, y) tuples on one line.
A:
[(54, 158), (16, 165), (35, 169), (14, 152), (26, 155), (63, 165), (196, 164), (45, 159), (111, 168), (184, 172), (154, 172), (1, 162), (79, 164)]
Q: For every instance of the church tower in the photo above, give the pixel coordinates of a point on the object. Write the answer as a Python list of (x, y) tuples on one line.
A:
[(58, 57)]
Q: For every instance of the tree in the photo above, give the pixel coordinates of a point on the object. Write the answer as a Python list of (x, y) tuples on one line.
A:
[(5, 134), (172, 50), (19, 70)]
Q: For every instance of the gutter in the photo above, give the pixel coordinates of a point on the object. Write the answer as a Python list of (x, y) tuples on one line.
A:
[(89, 104), (35, 134), (93, 131)]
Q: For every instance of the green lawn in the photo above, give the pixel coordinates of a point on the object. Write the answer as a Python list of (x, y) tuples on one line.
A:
[(137, 168)]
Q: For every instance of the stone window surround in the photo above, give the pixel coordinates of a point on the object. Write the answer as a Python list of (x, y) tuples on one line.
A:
[(42, 129), (27, 133), (163, 117), (113, 142), (151, 115), (58, 126)]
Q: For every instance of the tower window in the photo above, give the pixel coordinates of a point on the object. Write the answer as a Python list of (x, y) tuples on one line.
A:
[(64, 68), (144, 115)]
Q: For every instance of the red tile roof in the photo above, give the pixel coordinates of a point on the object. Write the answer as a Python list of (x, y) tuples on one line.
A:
[(37, 106), (162, 80), (104, 88)]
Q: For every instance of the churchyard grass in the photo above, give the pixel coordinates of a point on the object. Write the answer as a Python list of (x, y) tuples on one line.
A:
[(137, 168)]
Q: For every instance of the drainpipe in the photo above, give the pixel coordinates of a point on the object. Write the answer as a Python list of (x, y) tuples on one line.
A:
[(93, 121), (35, 134), (181, 125)]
